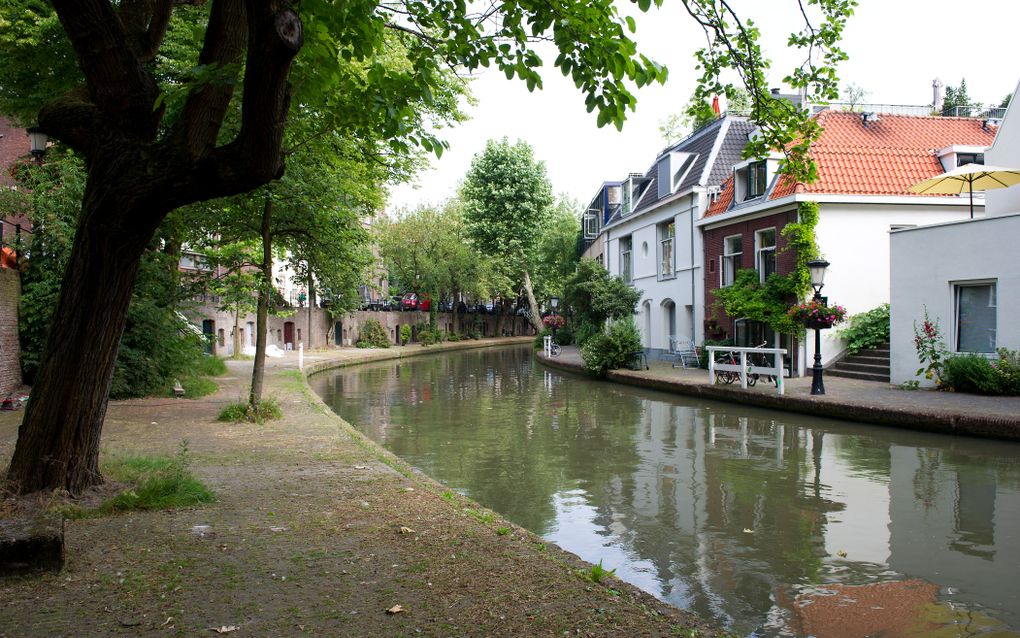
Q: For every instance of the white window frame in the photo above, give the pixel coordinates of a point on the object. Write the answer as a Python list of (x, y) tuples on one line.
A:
[(957, 287), (761, 251), (591, 223), (626, 259), (667, 250), (751, 168), (734, 260)]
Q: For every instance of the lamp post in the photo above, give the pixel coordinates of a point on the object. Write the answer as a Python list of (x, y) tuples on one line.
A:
[(37, 140), (817, 269), (554, 301)]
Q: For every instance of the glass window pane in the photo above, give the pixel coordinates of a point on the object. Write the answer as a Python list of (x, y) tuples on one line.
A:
[(975, 318)]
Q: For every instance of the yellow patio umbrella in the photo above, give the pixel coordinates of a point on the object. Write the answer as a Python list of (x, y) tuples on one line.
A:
[(967, 179)]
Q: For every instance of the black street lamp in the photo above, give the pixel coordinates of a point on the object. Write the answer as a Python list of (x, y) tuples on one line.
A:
[(37, 141), (554, 301), (817, 269)]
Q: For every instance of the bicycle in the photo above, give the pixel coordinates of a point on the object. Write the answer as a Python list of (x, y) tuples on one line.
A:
[(554, 350), (758, 359), (727, 376)]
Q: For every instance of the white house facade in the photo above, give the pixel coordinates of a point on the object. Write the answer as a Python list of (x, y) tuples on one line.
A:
[(966, 274), (652, 240)]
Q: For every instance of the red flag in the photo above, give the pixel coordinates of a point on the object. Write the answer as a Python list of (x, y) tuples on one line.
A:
[(715, 104)]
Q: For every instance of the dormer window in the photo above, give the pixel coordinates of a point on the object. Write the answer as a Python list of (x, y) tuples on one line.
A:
[(756, 180), (633, 188), (970, 158), (591, 223), (957, 155), (751, 179)]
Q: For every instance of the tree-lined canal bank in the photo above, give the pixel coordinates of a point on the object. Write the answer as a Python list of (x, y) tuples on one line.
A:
[(775, 523)]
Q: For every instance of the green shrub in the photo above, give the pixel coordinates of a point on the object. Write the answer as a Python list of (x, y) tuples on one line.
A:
[(565, 335), (267, 409), (373, 335), (210, 366), (159, 482), (405, 334), (971, 373), (867, 329), (585, 330), (1007, 369), (429, 336), (539, 342), (197, 387), (612, 349), (453, 336)]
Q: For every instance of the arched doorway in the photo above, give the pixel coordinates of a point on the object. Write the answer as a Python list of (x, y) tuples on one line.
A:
[(646, 338), (668, 322)]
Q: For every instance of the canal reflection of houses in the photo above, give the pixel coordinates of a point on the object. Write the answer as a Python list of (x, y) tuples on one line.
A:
[(763, 510), (773, 522)]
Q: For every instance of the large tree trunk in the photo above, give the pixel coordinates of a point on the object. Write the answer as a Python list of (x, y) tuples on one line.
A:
[(134, 180), (258, 369), (536, 316), (58, 441)]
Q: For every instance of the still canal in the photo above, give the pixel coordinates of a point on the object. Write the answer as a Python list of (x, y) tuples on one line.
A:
[(773, 524)]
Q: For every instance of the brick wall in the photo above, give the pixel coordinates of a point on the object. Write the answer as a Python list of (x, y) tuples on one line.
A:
[(13, 145), (746, 228), (10, 353)]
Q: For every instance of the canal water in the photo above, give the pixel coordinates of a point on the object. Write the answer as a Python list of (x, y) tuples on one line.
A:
[(773, 524)]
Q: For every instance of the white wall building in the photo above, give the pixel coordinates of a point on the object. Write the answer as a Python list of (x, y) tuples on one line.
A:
[(865, 168), (966, 274), (652, 240)]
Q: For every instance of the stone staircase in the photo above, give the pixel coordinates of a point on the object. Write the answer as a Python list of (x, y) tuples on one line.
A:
[(871, 364)]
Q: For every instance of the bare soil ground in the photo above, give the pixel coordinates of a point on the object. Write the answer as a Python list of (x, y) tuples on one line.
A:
[(317, 532)]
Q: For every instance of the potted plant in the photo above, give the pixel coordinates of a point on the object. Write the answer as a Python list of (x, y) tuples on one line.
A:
[(814, 314)]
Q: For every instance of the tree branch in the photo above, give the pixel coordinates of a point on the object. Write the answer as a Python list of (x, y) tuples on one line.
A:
[(70, 118), (198, 127), (121, 88)]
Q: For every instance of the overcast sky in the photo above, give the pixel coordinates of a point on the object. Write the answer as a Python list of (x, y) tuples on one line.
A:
[(896, 48)]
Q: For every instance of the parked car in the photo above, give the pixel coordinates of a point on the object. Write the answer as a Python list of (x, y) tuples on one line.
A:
[(390, 303), (411, 302)]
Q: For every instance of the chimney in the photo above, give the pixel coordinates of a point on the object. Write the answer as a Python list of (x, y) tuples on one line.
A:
[(937, 99)]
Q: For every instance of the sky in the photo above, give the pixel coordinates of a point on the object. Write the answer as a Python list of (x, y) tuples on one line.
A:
[(895, 48)]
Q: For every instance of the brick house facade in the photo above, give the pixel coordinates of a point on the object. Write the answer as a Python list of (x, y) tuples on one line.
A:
[(718, 325)]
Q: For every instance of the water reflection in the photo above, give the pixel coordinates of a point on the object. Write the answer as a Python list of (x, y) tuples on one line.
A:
[(773, 523)]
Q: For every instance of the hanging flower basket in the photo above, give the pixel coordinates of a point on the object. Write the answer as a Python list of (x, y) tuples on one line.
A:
[(554, 321), (816, 315)]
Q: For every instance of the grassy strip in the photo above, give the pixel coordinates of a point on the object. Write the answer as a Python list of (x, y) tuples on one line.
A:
[(267, 409), (159, 483)]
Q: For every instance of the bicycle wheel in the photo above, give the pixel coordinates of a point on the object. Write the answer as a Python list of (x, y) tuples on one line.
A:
[(555, 350), (751, 380)]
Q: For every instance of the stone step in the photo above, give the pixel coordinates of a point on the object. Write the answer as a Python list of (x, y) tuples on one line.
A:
[(856, 366), (865, 376), (865, 358)]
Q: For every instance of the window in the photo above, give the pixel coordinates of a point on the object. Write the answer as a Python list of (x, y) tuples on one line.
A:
[(765, 253), (975, 317), (731, 258), (591, 223), (666, 257), (755, 179), (970, 158), (626, 263)]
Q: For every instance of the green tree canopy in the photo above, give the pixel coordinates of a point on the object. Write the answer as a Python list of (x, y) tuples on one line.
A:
[(176, 104)]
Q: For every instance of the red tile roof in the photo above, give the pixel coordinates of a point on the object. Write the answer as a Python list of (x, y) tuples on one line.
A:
[(722, 201), (885, 157)]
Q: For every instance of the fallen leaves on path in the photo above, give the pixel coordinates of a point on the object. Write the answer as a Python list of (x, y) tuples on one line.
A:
[(395, 609)]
